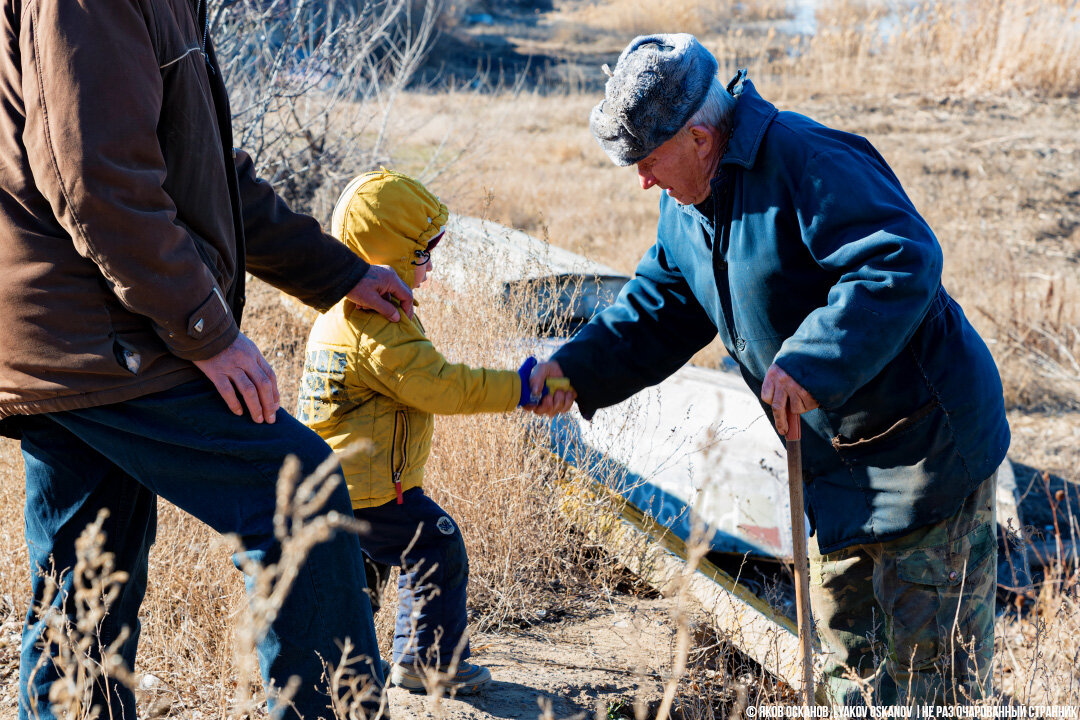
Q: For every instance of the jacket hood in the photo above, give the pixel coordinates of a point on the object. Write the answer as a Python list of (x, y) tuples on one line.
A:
[(385, 217)]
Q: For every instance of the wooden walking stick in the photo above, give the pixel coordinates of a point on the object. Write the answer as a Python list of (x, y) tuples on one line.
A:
[(799, 555)]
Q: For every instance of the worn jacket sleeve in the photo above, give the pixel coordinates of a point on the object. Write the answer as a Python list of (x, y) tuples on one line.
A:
[(94, 155), (651, 330), (397, 360), (888, 268), (289, 250)]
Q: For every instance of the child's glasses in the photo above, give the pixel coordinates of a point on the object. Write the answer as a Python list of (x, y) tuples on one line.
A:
[(422, 256)]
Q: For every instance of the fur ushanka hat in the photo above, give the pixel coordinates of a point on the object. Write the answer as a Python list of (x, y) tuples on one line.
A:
[(659, 82)]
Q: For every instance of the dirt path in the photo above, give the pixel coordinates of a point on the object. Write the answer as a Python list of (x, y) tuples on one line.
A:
[(615, 657)]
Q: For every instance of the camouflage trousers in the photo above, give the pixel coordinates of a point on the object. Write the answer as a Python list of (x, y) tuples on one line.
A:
[(910, 620)]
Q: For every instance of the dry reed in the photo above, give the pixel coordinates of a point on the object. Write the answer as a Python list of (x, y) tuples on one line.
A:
[(1030, 46)]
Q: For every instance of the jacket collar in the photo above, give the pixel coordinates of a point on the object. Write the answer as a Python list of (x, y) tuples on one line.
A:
[(753, 115), (693, 213)]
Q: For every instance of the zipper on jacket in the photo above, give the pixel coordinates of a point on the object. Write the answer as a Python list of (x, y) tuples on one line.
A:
[(395, 468)]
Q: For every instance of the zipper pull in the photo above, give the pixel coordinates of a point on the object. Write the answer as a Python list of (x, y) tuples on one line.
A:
[(397, 487)]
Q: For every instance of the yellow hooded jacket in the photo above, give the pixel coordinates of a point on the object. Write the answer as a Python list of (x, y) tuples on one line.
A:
[(369, 379)]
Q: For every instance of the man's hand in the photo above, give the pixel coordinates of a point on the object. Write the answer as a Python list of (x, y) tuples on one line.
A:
[(379, 282), (554, 403), (782, 392), (241, 368)]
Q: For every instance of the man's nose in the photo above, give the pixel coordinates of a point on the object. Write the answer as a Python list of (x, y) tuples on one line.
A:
[(646, 179)]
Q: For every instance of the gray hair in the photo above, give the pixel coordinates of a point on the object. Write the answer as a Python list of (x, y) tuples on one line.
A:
[(716, 109)]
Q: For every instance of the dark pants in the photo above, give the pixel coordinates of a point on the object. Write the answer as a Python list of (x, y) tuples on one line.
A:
[(184, 445), (425, 542)]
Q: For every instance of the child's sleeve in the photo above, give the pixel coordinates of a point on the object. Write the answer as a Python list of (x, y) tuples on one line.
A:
[(397, 360)]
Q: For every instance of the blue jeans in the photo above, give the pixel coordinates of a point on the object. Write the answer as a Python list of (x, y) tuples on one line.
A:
[(184, 445), (421, 538)]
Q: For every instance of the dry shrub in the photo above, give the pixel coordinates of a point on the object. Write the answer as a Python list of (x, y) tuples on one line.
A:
[(200, 661), (194, 600), (298, 527), (313, 86), (720, 681), (1041, 335), (82, 663), (1037, 652), (1036, 638)]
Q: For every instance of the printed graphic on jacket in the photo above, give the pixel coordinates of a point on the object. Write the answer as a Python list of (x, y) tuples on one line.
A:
[(322, 387)]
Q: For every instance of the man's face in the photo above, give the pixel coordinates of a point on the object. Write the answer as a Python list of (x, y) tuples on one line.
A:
[(681, 166)]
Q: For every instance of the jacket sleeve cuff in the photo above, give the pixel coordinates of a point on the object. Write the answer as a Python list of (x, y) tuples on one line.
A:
[(210, 329), (576, 371), (332, 296)]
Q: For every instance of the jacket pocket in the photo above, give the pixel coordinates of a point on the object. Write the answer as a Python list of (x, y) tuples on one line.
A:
[(882, 440), (950, 563), (209, 255), (915, 435), (942, 598), (127, 355), (175, 32)]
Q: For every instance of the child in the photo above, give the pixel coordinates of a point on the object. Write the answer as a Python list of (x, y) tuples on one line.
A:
[(366, 378)]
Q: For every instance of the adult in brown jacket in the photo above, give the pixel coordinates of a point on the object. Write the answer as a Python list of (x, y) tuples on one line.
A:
[(127, 223)]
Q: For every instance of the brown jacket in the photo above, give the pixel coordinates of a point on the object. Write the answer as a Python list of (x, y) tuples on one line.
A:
[(127, 220)]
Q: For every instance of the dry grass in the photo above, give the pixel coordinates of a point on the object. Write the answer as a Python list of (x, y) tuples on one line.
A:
[(970, 103), (969, 45)]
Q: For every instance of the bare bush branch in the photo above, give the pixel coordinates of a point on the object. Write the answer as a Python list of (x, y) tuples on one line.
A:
[(313, 85)]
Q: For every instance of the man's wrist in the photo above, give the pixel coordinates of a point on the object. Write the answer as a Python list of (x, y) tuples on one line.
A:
[(356, 272)]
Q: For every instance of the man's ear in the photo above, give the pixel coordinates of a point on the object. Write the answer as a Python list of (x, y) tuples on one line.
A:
[(704, 137)]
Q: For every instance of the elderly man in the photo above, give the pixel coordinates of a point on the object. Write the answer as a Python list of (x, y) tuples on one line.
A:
[(129, 223), (797, 244)]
